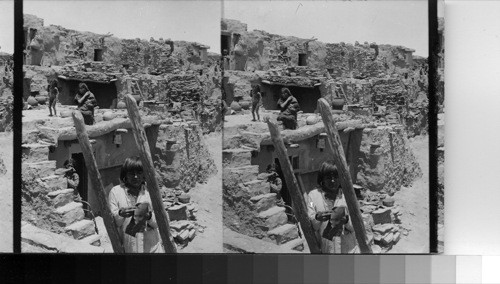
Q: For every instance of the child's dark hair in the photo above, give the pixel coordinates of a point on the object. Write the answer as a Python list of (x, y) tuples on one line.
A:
[(286, 91), (328, 168), (131, 164), (271, 167), (69, 161), (83, 85)]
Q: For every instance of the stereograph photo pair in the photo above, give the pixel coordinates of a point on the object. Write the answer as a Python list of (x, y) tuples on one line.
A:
[(304, 133)]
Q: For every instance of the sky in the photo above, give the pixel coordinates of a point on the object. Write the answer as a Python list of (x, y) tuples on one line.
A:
[(331, 21), (7, 26), (197, 21), (384, 22)]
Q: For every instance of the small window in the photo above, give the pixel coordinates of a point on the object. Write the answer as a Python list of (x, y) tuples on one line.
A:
[(294, 160)]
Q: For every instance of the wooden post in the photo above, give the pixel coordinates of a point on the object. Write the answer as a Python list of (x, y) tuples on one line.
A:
[(299, 205), (95, 180), (345, 178), (355, 137), (150, 173)]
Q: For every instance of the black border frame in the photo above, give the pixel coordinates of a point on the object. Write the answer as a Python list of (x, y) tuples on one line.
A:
[(18, 267)]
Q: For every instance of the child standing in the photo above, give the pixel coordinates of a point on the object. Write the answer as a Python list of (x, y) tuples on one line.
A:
[(53, 95), (256, 97)]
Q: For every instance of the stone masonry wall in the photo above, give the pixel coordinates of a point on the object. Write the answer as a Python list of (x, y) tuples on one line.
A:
[(391, 164), (181, 157)]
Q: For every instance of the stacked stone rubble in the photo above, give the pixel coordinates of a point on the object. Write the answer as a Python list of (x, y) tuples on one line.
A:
[(249, 206)]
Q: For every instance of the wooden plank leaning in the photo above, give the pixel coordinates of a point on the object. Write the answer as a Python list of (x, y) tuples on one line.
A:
[(336, 149), (299, 205), (95, 180), (150, 173)]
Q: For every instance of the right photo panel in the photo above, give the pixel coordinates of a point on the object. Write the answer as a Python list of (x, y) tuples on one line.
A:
[(325, 141)]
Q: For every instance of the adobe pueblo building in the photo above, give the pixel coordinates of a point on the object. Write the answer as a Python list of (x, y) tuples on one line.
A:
[(378, 93), (176, 85)]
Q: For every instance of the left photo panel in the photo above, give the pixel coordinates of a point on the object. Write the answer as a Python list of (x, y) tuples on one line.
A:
[(6, 134), (121, 137)]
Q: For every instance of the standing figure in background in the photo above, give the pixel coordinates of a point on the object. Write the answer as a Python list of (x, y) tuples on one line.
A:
[(283, 53), (256, 98), (289, 107), (53, 97), (86, 103)]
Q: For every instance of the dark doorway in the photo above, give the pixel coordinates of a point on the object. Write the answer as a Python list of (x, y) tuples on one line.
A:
[(225, 43), (98, 54), (306, 97), (81, 170), (302, 59), (104, 93), (32, 32)]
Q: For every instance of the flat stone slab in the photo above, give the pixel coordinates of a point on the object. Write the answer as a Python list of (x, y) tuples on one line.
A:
[(69, 207), (262, 196), (177, 212), (382, 216), (81, 229), (264, 201), (55, 182), (60, 191), (237, 242), (39, 169), (256, 187), (387, 239), (46, 240), (236, 157), (295, 244), (271, 211), (70, 212), (284, 233), (94, 240), (179, 225), (35, 152), (273, 217), (61, 197), (382, 228), (241, 174)]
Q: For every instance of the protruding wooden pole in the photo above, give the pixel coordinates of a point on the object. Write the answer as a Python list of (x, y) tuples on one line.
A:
[(150, 173), (95, 180), (299, 205), (335, 146)]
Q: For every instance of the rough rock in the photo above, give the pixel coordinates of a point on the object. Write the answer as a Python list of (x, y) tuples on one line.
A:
[(284, 233), (70, 213), (273, 217), (61, 197), (382, 216), (264, 201), (382, 228), (177, 212), (81, 229), (52, 242)]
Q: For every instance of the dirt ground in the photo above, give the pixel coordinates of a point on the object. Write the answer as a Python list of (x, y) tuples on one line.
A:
[(414, 203), (208, 197), (6, 196)]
